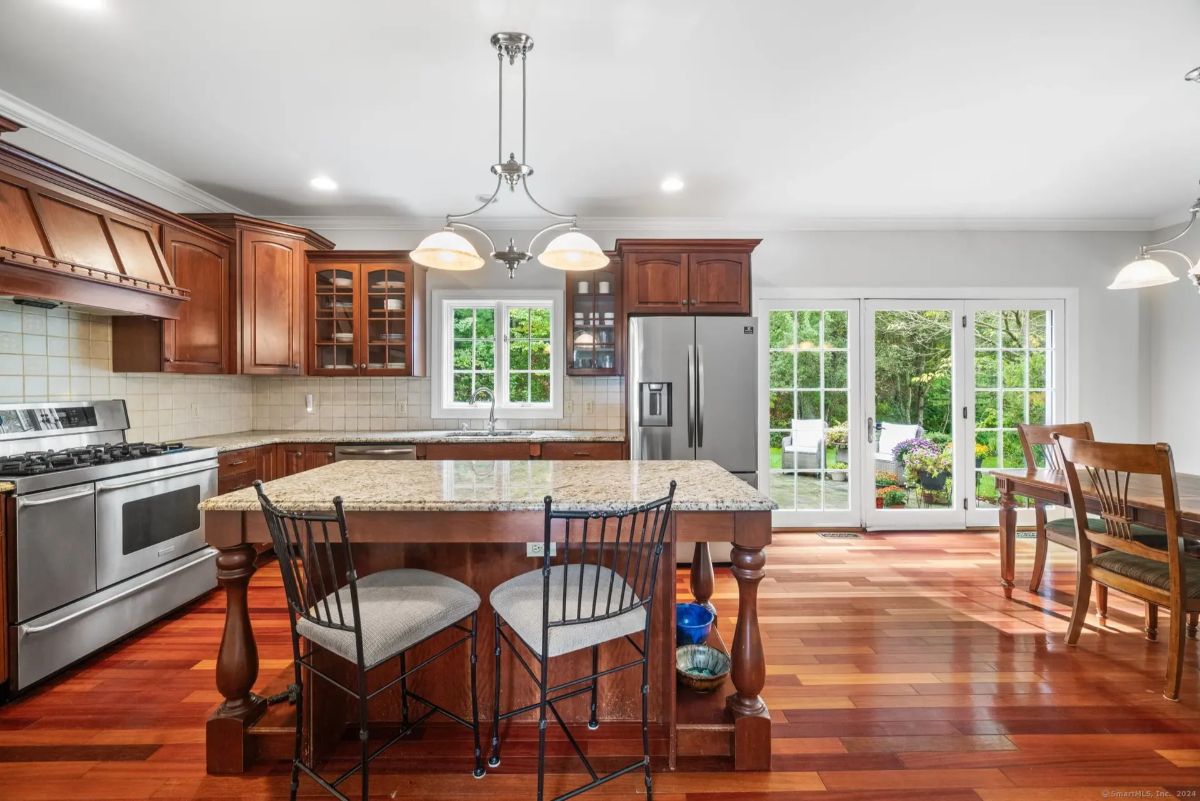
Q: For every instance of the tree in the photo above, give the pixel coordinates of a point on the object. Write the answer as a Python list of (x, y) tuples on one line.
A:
[(912, 368)]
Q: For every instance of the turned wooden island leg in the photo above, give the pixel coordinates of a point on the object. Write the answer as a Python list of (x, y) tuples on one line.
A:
[(226, 735), (1008, 539), (752, 721), (702, 578)]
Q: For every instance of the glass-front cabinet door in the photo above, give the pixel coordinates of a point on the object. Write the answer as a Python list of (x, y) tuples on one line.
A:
[(386, 323), (363, 314), (334, 320), (594, 319)]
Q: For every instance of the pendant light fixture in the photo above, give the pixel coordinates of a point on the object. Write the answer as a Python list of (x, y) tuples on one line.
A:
[(1145, 271), (448, 249)]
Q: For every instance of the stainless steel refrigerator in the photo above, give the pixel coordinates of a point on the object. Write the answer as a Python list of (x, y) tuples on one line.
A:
[(691, 389)]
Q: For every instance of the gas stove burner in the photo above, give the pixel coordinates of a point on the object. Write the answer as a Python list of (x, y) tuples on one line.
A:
[(36, 462)]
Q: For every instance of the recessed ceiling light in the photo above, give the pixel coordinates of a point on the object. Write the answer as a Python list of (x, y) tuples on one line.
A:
[(323, 183), (672, 183)]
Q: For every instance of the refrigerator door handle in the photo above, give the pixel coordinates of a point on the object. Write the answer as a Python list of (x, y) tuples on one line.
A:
[(699, 397), (691, 382)]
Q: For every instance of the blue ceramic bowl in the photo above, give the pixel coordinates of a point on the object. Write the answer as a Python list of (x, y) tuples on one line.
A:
[(692, 624)]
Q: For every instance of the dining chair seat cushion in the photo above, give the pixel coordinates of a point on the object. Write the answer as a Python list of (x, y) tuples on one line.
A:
[(1149, 571), (1062, 531), (399, 608), (519, 602)]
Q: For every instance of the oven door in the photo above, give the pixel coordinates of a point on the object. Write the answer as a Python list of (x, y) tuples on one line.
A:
[(56, 548), (148, 519)]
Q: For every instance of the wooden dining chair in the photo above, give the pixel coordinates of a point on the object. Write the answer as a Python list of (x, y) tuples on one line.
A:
[(1113, 473), (1038, 440)]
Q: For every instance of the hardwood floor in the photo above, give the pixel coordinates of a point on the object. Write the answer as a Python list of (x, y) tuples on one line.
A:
[(897, 670)]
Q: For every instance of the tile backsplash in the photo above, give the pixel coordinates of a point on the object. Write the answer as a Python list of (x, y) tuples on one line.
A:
[(61, 354)]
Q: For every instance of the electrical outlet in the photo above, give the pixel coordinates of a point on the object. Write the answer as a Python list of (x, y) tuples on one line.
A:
[(402, 408), (589, 407), (195, 411), (569, 407), (536, 549)]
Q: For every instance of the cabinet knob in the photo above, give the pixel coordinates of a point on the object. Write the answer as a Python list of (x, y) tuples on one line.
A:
[(362, 366), (295, 365), (693, 301)]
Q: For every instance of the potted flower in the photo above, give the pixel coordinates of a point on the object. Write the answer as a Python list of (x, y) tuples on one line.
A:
[(886, 479), (890, 497), (981, 452), (838, 437), (841, 474), (929, 468)]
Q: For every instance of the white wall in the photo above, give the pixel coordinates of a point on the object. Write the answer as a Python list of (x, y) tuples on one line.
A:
[(1171, 334)]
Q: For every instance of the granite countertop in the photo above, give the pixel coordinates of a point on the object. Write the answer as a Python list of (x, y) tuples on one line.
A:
[(500, 486), (6, 486), (252, 439)]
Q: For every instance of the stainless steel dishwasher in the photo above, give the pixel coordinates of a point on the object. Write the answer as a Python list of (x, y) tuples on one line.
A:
[(382, 450)]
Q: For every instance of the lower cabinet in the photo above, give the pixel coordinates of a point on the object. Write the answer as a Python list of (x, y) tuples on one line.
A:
[(239, 469)]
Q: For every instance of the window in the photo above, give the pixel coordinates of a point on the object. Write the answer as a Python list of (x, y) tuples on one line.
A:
[(508, 343)]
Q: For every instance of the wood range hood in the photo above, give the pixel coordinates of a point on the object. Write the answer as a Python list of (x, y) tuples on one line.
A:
[(67, 239)]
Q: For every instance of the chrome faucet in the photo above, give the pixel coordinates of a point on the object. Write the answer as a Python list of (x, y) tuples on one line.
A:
[(491, 396)]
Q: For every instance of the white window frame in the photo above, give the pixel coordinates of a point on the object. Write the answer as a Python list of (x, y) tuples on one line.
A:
[(442, 350)]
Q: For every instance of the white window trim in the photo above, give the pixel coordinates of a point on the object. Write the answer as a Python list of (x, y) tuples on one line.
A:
[(441, 347)]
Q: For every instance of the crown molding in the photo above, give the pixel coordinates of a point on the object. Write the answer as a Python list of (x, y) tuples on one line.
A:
[(731, 224), (45, 123)]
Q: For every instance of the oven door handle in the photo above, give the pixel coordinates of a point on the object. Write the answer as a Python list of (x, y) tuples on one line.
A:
[(25, 502), (208, 554), (154, 476)]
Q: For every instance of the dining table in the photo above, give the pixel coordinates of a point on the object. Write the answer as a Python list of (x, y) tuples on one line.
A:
[(1047, 487)]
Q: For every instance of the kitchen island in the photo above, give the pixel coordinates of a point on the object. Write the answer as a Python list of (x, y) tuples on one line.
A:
[(469, 519)]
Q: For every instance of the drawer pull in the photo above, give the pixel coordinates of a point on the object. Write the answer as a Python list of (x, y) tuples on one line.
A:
[(235, 464)]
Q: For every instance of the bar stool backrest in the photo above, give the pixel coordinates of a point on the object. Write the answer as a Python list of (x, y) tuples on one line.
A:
[(628, 542), (308, 557)]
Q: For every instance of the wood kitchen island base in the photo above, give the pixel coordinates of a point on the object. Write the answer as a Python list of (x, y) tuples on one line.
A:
[(472, 527)]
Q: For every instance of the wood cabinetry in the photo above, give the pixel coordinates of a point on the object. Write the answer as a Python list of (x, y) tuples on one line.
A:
[(7, 513), (271, 291), (201, 340), (237, 470), (318, 454), (582, 450), (686, 276), (365, 314), (595, 321), (289, 459)]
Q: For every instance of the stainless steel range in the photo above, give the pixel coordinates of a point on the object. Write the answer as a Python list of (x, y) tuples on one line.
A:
[(106, 534)]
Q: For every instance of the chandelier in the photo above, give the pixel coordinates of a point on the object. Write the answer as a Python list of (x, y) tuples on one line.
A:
[(448, 249), (1145, 271)]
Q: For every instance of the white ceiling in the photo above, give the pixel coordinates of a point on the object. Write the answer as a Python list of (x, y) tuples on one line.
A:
[(789, 111)]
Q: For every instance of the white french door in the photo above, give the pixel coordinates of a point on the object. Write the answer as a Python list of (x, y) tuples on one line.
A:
[(912, 395), (890, 413)]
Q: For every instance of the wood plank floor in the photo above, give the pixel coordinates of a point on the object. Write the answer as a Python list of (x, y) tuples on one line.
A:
[(897, 670)]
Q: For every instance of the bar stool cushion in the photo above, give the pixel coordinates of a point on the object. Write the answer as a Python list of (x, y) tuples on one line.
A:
[(399, 608), (1062, 531), (519, 602), (1149, 571)]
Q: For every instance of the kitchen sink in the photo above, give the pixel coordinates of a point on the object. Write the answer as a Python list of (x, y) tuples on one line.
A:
[(486, 434)]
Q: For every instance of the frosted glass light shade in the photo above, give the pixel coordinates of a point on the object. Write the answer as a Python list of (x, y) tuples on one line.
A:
[(1141, 273), (573, 251), (446, 250)]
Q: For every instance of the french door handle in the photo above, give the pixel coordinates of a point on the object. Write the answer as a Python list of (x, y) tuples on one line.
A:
[(870, 429)]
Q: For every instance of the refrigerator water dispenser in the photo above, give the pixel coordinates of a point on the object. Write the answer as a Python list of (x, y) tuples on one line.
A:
[(654, 404)]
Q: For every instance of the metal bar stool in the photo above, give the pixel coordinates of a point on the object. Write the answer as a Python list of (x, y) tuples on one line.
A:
[(589, 598), (368, 621)]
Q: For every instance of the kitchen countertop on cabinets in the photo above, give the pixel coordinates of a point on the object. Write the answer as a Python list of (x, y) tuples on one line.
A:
[(6, 486), (253, 439)]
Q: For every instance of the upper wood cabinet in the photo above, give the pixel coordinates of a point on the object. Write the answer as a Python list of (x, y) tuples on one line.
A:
[(365, 314), (595, 321), (686, 276), (271, 289), (201, 340)]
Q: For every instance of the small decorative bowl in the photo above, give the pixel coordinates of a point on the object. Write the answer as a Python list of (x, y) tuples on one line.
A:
[(692, 623), (701, 668)]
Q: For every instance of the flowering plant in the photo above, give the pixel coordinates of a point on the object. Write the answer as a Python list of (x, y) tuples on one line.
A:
[(924, 461), (901, 451), (981, 450), (886, 479), (892, 496)]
